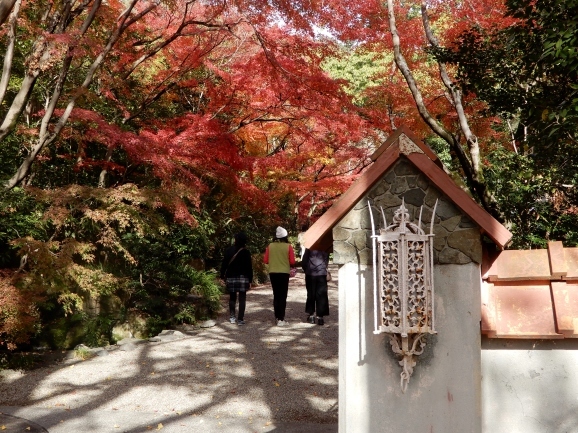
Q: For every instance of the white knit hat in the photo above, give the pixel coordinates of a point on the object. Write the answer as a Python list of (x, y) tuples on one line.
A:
[(280, 233)]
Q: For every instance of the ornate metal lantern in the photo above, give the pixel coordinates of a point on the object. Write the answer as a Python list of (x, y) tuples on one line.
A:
[(403, 286)]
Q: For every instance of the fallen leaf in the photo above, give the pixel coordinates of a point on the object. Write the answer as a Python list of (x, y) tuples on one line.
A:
[(27, 428), (3, 427), (160, 426)]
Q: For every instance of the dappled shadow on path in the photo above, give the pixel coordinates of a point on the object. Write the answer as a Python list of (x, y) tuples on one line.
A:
[(254, 372)]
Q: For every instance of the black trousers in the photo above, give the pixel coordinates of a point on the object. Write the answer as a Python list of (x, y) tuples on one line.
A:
[(242, 303), (280, 285), (317, 301)]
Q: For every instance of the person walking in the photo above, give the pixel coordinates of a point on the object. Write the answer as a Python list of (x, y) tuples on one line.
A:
[(314, 264), (237, 272), (280, 257)]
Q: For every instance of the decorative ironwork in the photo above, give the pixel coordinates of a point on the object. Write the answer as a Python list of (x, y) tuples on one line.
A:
[(403, 286)]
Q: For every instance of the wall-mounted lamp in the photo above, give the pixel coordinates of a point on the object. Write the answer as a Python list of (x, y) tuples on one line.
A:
[(403, 285)]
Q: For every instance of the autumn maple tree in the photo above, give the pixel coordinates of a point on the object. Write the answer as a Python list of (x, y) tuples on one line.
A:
[(137, 136), (136, 123)]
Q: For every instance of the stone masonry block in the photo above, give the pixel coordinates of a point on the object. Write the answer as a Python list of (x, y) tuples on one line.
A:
[(351, 220), (468, 242), (340, 234), (451, 223), (404, 168), (446, 209), (414, 196), (411, 181), (422, 182), (387, 200), (431, 196), (343, 253), (380, 188), (359, 239), (399, 185), (453, 256)]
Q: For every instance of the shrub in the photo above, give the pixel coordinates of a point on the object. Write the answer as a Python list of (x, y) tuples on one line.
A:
[(19, 316)]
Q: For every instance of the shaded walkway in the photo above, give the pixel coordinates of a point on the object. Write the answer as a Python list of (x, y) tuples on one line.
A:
[(252, 378)]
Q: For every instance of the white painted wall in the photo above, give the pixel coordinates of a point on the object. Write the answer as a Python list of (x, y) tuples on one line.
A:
[(444, 393), (530, 386)]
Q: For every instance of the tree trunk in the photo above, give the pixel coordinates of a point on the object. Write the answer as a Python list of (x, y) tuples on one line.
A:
[(470, 166), (45, 138), (5, 9), (9, 55)]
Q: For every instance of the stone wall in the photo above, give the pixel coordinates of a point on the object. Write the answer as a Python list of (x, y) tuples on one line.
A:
[(457, 238)]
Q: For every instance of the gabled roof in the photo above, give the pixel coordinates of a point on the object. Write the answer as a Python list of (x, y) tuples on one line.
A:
[(403, 142), (531, 294)]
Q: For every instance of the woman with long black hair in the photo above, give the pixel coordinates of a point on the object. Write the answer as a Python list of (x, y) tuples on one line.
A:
[(237, 272)]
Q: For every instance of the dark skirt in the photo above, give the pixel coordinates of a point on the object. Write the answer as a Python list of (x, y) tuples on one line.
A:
[(238, 284)]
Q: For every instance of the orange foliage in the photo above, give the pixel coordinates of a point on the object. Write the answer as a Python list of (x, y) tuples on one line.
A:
[(18, 314)]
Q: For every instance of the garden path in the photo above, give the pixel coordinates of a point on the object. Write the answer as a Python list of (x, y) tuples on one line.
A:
[(226, 378)]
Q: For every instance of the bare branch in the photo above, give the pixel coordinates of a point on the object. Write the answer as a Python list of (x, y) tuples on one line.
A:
[(45, 139), (179, 32), (9, 55), (456, 97), (472, 177)]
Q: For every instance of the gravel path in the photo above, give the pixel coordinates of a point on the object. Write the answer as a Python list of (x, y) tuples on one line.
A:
[(259, 376)]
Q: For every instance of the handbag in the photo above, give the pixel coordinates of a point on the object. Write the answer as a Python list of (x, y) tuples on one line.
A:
[(329, 277)]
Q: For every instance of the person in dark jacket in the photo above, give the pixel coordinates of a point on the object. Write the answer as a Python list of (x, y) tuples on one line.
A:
[(314, 264), (237, 272)]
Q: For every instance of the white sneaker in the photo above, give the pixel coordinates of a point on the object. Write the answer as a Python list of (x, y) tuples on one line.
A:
[(282, 323), (233, 319)]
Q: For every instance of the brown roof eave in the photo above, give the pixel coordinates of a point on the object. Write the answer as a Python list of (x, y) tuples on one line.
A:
[(491, 227), (319, 235)]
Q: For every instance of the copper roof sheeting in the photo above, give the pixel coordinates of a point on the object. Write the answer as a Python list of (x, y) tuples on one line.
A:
[(531, 294)]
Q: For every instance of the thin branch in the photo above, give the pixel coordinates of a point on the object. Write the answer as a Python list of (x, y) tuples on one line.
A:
[(43, 139), (9, 55)]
